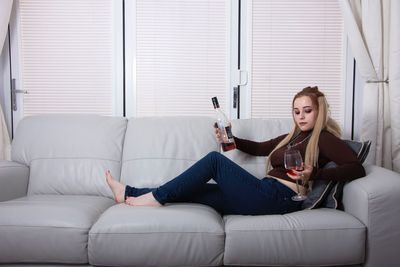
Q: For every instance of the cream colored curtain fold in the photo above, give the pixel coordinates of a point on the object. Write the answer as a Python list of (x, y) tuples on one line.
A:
[(372, 29), (5, 11), (394, 84)]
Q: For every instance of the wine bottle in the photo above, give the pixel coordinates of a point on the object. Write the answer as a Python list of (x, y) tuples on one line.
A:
[(228, 142)]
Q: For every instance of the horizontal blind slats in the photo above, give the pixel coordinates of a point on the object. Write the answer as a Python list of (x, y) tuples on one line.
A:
[(67, 56), (181, 56), (295, 44)]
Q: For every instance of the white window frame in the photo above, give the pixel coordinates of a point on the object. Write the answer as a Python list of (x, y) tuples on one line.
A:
[(130, 58)]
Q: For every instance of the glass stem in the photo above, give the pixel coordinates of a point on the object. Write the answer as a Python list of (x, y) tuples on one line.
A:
[(298, 188)]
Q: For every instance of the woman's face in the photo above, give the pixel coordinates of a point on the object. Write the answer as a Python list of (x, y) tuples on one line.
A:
[(304, 113)]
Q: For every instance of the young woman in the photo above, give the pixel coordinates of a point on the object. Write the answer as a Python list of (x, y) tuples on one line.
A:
[(236, 191)]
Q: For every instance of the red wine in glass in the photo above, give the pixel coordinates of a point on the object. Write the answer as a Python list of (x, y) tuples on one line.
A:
[(294, 161)]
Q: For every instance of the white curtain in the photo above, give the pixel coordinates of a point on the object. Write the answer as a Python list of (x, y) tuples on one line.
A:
[(372, 27), (5, 11)]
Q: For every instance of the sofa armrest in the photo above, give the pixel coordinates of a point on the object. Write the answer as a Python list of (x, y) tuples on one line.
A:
[(375, 201), (13, 180)]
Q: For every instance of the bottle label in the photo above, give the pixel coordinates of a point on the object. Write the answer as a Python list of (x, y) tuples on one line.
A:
[(229, 132)]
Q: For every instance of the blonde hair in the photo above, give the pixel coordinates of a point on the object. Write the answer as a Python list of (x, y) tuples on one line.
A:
[(323, 122)]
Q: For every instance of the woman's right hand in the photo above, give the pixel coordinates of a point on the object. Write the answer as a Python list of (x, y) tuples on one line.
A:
[(218, 135)]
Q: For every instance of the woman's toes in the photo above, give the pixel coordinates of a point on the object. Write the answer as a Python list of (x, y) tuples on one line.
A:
[(130, 201)]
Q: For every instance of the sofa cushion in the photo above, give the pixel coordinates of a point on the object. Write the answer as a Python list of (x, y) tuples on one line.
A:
[(360, 148), (68, 154), (173, 235), (304, 238), (256, 130), (48, 228), (157, 149), (328, 193)]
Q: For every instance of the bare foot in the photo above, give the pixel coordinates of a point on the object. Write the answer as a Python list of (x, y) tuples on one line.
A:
[(130, 201), (117, 188), (143, 200)]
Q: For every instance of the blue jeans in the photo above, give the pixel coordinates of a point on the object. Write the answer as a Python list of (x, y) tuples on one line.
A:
[(236, 191)]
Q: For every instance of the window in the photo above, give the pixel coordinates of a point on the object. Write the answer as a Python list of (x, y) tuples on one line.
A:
[(181, 56), (69, 56), (294, 44), (178, 54)]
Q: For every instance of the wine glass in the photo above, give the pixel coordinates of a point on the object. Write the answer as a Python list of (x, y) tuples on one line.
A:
[(294, 161)]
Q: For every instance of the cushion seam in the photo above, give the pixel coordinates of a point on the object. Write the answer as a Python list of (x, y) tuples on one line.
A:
[(74, 158), (46, 227), (158, 158), (8, 167), (297, 230), (146, 233)]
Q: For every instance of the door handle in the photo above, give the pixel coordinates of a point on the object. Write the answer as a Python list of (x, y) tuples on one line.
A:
[(14, 93)]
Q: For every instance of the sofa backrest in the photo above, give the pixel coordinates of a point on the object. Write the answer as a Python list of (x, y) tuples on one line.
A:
[(156, 149), (68, 154), (256, 130)]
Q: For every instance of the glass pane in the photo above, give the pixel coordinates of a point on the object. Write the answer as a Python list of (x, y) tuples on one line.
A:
[(182, 50)]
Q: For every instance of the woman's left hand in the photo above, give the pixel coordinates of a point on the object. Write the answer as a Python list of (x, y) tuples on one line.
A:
[(301, 175)]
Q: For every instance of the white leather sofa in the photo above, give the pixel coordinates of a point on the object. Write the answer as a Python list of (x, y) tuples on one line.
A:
[(56, 208)]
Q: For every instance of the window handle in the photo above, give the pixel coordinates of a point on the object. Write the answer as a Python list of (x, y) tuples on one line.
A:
[(14, 93), (243, 77)]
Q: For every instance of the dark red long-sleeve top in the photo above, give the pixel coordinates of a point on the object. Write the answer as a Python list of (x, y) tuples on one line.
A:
[(331, 148)]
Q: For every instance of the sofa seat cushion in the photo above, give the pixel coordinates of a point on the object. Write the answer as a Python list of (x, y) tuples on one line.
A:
[(48, 228), (322, 237), (172, 235)]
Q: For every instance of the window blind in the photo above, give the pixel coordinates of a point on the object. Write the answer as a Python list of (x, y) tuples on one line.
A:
[(295, 44), (182, 52), (67, 56)]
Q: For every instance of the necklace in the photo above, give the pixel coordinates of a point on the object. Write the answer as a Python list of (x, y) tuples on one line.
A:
[(292, 142)]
